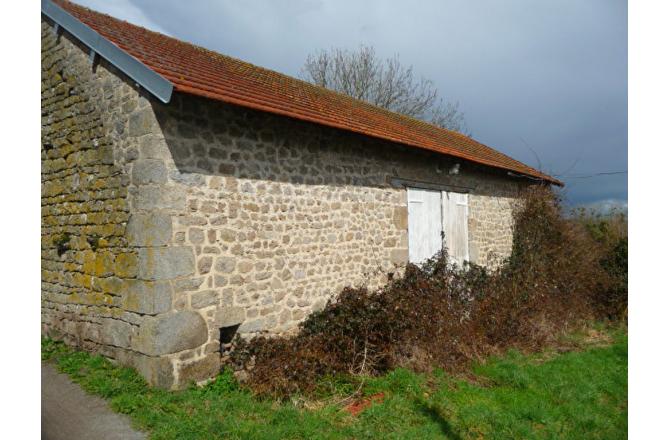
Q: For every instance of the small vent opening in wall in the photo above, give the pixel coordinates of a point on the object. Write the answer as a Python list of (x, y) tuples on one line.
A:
[(227, 334)]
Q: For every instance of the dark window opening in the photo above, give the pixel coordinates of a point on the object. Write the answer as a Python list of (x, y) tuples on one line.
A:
[(227, 335)]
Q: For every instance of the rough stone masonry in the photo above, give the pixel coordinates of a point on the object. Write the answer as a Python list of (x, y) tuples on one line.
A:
[(164, 223)]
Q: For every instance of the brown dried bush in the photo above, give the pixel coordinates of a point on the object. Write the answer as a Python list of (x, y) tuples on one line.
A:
[(438, 315)]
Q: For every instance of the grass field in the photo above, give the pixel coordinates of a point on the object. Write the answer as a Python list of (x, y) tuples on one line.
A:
[(577, 394)]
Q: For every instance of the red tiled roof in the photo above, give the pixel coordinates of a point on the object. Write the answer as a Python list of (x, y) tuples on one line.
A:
[(198, 71)]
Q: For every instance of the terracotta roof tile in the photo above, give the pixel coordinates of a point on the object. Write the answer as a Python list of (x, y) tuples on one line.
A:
[(198, 71)]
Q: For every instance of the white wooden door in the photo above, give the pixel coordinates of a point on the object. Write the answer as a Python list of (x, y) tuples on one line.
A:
[(455, 226), (424, 224)]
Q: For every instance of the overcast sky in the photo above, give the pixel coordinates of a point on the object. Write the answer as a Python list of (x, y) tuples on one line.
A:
[(548, 76)]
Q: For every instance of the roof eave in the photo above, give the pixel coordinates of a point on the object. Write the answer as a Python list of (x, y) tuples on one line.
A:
[(542, 178), (286, 113)]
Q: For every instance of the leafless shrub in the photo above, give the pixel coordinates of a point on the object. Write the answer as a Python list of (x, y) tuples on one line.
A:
[(440, 315)]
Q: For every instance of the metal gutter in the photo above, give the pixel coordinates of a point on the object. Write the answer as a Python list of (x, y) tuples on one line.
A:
[(155, 83)]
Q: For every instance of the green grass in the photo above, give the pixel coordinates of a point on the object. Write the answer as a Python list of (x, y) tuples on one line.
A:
[(579, 394)]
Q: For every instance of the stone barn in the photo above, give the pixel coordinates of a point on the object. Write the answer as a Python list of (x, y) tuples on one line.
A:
[(188, 196)]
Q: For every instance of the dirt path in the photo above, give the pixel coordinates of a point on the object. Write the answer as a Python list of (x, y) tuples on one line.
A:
[(68, 413)]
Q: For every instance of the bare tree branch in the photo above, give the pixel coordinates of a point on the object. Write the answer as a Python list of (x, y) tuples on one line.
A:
[(540, 164), (385, 83)]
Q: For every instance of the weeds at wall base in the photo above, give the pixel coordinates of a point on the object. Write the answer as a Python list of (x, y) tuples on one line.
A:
[(559, 276)]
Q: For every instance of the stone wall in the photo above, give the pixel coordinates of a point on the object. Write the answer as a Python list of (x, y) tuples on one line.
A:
[(106, 270), (85, 255), (188, 218), (283, 214)]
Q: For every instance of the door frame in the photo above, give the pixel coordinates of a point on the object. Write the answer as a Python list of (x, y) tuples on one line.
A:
[(398, 182)]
